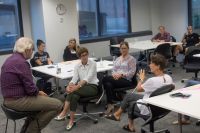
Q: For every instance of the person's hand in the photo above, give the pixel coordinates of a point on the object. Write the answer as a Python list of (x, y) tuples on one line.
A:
[(41, 93), (71, 88), (117, 76), (141, 75)]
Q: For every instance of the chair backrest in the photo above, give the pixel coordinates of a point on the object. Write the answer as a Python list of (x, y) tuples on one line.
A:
[(172, 38), (189, 58), (15, 115), (158, 112), (164, 49), (33, 64), (113, 41)]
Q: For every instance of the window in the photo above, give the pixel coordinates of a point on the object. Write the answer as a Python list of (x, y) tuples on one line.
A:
[(100, 18), (194, 14), (9, 25)]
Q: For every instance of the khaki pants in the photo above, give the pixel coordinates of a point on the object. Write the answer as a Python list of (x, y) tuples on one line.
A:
[(48, 107)]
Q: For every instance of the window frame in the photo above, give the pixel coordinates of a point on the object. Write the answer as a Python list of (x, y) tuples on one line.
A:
[(130, 34), (20, 26)]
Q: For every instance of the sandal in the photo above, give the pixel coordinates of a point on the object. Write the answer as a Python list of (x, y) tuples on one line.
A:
[(126, 127), (110, 109), (60, 118), (69, 127), (112, 117)]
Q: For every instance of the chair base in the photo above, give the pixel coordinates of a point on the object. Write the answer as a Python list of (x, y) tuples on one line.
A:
[(143, 130), (91, 116)]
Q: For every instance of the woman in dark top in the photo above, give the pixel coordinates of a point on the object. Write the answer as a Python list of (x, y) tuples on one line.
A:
[(70, 51)]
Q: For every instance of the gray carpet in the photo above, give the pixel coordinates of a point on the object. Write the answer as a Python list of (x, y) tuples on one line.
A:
[(108, 126)]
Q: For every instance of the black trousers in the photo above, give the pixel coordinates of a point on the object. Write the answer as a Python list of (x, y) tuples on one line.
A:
[(110, 84)]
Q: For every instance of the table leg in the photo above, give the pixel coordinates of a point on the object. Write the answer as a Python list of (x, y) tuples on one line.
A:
[(180, 122)]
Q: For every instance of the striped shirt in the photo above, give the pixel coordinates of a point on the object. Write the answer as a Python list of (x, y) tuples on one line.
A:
[(125, 66), (16, 78)]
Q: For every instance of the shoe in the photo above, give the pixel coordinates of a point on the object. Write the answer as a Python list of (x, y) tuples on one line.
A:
[(112, 117), (109, 110), (69, 127), (60, 118), (126, 127), (183, 122)]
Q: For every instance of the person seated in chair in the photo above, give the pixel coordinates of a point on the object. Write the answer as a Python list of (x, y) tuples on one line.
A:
[(19, 91), (123, 71), (162, 36), (189, 39), (157, 66), (70, 51), (83, 84), (42, 58)]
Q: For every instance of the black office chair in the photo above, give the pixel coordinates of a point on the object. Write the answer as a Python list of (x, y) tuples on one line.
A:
[(156, 113), (114, 51), (16, 115), (120, 92), (165, 50), (84, 101), (191, 63)]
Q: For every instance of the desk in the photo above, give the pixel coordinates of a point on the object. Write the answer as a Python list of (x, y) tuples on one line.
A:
[(188, 106), (146, 45), (67, 69)]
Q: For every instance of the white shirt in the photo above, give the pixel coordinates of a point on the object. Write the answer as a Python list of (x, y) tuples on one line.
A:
[(151, 85), (86, 72)]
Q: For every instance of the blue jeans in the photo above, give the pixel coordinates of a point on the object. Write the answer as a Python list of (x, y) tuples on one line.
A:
[(190, 83)]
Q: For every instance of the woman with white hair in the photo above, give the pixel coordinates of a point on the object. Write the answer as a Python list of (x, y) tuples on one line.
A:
[(22, 94)]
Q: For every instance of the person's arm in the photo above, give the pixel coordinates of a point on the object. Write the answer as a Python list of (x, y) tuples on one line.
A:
[(48, 59), (65, 54), (155, 38), (75, 77), (26, 76)]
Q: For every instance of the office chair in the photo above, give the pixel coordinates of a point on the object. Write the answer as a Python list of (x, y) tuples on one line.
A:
[(121, 91), (42, 80), (165, 50), (156, 113), (84, 101), (192, 64), (16, 115), (114, 51)]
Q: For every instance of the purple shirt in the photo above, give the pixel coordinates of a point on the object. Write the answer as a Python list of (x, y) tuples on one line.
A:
[(16, 78), (165, 37)]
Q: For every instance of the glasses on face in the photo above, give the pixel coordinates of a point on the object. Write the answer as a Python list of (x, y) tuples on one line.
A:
[(83, 55), (123, 48)]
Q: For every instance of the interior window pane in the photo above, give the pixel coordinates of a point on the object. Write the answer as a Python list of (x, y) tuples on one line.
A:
[(9, 24), (114, 16), (87, 18), (196, 15)]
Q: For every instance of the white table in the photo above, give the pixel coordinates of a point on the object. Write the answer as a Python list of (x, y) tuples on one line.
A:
[(67, 69), (187, 106), (196, 55), (146, 45)]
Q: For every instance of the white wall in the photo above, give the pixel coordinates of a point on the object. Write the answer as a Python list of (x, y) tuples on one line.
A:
[(59, 28), (37, 20), (175, 17)]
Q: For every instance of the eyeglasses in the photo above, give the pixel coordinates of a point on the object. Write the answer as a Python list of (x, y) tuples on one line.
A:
[(83, 55)]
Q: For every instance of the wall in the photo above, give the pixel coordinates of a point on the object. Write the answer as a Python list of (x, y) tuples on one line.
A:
[(175, 18), (145, 14), (37, 20), (59, 28)]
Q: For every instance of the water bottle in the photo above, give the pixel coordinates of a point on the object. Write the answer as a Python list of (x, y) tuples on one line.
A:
[(58, 69)]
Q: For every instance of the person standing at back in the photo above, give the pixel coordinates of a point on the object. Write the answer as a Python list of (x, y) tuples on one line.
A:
[(22, 94)]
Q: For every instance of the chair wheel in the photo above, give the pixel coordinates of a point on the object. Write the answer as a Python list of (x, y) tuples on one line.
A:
[(167, 131), (95, 122), (182, 81), (142, 131)]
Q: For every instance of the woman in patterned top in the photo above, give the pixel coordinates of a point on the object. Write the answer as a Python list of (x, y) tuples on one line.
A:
[(123, 71)]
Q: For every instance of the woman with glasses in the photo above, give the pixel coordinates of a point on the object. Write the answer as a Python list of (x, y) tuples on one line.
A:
[(70, 51), (83, 84), (123, 71)]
